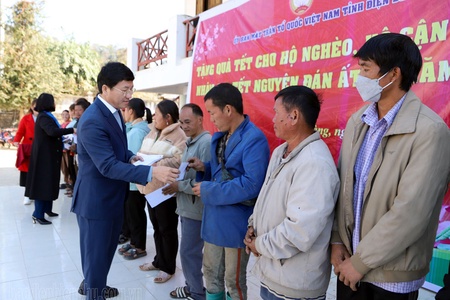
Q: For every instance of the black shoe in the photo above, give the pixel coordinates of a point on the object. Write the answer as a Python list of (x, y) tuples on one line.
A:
[(41, 221), (110, 291), (123, 239), (52, 214), (62, 186)]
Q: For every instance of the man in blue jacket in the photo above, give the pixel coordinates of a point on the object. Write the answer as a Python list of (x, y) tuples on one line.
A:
[(104, 173), (230, 183)]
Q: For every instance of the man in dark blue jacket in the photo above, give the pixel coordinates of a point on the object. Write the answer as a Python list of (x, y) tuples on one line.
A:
[(231, 181), (104, 173)]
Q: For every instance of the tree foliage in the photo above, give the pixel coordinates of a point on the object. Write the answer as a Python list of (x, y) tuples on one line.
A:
[(31, 63), (27, 68), (80, 65)]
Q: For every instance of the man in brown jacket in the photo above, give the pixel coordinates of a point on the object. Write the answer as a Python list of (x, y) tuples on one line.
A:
[(394, 168)]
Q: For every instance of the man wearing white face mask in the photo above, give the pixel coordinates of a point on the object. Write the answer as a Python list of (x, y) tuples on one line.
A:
[(394, 168)]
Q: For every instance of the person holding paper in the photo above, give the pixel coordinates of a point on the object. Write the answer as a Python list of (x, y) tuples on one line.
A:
[(135, 218), (103, 176), (166, 138), (189, 206)]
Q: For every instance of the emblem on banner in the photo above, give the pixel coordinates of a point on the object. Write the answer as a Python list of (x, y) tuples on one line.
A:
[(299, 7)]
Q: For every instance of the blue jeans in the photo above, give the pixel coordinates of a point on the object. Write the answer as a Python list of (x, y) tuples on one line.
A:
[(225, 266), (191, 256), (266, 295), (41, 207)]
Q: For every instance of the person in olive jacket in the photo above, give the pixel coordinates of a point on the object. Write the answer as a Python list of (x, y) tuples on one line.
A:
[(45, 161)]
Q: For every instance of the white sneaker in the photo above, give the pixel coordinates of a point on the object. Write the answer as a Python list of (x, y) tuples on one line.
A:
[(26, 201)]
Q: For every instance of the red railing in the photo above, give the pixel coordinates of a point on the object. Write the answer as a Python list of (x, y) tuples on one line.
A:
[(191, 30), (152, 50)]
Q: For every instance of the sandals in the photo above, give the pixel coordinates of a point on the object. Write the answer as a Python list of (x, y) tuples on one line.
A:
[(162, 277), (133, 254), (148, 267), (180, 293), (124, 248)]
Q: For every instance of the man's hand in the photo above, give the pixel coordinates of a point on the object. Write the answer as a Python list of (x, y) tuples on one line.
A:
[(165, 174), (348, 274), (15, 144), (196, 189), (196, 164), (339, 253), (170, 189), (136, 158), (249, 241)]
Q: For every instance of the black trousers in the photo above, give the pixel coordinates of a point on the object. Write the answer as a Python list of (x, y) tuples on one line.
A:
[(165, 226), (367, 291), (136, 219), (444, 293), (71, 169)]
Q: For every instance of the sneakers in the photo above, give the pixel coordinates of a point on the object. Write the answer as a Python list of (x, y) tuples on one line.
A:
[(26, 201)]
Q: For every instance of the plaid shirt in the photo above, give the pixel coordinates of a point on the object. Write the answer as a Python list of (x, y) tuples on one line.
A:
[(366, 154)]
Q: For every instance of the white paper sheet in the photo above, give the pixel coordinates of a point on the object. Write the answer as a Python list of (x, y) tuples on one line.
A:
[(149, 159), (157, 197)]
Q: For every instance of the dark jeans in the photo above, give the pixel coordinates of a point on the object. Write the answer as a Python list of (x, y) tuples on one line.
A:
[(136, 219), (41, 207), (367, 291), (165, 226), (98, 244)]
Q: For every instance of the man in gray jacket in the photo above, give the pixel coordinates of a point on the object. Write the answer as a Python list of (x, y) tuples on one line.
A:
[(189, 206)]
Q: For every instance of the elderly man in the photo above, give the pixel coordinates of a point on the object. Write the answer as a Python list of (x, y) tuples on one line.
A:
[(230, 182), (290, 228)]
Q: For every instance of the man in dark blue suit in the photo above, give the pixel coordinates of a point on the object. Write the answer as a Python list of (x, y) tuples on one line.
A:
[(104, 172)]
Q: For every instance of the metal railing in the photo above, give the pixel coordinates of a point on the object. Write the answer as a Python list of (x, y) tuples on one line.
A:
[(152, 50), (191, 31)]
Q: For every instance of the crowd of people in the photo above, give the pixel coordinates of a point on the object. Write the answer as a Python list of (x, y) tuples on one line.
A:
[(372, 218)]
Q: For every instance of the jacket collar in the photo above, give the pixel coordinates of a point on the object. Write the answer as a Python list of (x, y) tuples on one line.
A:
[(406, 119), (312, 138), (191, 141), (404, 122), (111, 119)]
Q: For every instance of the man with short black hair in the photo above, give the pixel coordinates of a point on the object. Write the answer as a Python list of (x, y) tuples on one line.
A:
[(394, 168), (105, 171), (189, 206)]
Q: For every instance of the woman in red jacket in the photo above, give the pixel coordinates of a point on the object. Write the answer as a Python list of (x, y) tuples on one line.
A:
[(23, 140)]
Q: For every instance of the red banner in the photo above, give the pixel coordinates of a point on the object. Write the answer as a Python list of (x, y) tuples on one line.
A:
[(263, 46)]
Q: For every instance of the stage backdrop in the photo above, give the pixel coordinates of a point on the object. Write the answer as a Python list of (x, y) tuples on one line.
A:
[(263, 46)]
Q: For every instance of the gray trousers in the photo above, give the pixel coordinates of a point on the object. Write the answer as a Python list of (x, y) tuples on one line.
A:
[(191, 256), (225, 267)]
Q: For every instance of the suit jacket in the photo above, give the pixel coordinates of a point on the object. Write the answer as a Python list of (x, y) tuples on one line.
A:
[(45, 161), (25, 135), (104, 169)]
